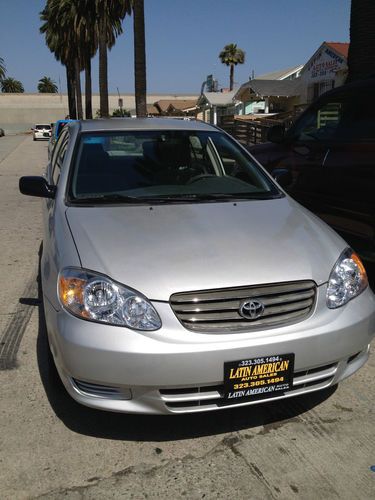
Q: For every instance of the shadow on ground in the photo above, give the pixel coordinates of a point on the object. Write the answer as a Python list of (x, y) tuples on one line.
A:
[(128, 427)]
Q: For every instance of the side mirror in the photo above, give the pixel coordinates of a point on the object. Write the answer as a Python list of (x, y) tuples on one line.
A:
[(276, 133), (36, 186), (282, 176)]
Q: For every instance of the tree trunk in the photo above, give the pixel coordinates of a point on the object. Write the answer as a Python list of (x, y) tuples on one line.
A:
[(139, 58), (103, 70), (78, 91), (70, 82), (231, 77), (88, 88), (361, 59)]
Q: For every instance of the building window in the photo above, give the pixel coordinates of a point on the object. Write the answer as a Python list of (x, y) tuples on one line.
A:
[(317, 89)]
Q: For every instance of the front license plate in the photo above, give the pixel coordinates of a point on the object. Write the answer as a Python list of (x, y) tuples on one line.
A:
[(258, 378)]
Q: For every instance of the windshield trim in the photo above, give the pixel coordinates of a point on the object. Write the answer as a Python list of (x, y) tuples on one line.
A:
[(168, 201)]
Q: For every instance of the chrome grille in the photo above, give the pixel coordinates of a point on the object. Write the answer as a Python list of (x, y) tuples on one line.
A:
[(218, 310)]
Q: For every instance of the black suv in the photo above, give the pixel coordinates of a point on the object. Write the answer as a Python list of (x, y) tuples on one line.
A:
[(326, 161)]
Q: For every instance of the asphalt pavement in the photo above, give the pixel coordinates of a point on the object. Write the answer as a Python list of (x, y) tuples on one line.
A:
[(321, 446)]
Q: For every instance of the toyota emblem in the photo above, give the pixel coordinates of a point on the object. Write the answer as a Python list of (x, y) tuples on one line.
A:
[(251, 309)]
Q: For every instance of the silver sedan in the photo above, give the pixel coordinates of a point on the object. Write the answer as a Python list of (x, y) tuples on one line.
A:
[(179, 277)]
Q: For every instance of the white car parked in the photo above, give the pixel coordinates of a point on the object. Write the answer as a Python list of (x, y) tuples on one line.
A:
[(41, 131), (178, 277)]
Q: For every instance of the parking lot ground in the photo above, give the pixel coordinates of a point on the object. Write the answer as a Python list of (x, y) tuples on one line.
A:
[(321, 446), (9, 144)]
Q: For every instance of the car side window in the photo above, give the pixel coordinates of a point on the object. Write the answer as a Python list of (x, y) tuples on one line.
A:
[(346, 118), (357, 122), (319, 124), (58, 156)]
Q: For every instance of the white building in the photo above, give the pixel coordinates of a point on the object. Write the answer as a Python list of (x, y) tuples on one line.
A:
[(326, 69), (213, 105)]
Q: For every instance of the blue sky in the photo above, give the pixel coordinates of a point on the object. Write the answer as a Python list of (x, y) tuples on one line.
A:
[(183, 41)]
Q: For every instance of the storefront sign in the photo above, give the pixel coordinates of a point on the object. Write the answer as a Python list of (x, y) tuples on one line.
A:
[(326, 63)]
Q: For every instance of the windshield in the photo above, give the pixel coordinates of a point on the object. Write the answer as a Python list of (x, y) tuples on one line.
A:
[(176, 165), (41, 127)]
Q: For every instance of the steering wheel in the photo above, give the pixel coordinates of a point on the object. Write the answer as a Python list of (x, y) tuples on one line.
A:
[(199, 177)]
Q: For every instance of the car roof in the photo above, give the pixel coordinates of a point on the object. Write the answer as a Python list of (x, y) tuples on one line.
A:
[(117, 124), (349, 87)]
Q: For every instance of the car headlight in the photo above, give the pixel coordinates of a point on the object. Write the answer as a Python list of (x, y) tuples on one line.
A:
[(95, 297), (348, 279)]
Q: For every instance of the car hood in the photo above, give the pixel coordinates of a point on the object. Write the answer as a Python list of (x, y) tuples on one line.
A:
[(165, 249)]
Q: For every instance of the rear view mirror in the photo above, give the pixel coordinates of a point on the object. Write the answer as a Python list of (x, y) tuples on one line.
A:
[(276, 133), (36, 186), (282, 176)]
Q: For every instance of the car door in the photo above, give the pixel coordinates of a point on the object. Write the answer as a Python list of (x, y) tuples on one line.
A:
[(348, 191), (49, 239), (309, 142)]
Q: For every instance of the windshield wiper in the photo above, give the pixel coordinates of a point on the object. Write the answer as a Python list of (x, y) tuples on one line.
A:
[(224, 196), (116, 198), (195, 197), (258, 196)]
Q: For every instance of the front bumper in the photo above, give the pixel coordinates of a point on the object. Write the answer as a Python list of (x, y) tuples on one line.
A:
[(177, 371)]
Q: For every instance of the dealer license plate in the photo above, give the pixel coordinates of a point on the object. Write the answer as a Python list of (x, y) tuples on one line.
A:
[(258, 378)]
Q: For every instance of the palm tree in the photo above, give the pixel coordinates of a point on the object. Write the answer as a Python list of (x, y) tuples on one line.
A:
[(47, 86), (109, 14), (56, 41), (2, 69), (361, 58), (67, 15), (10, 85), (231, 55), (139, 58), (74, 29), (86, 32)]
